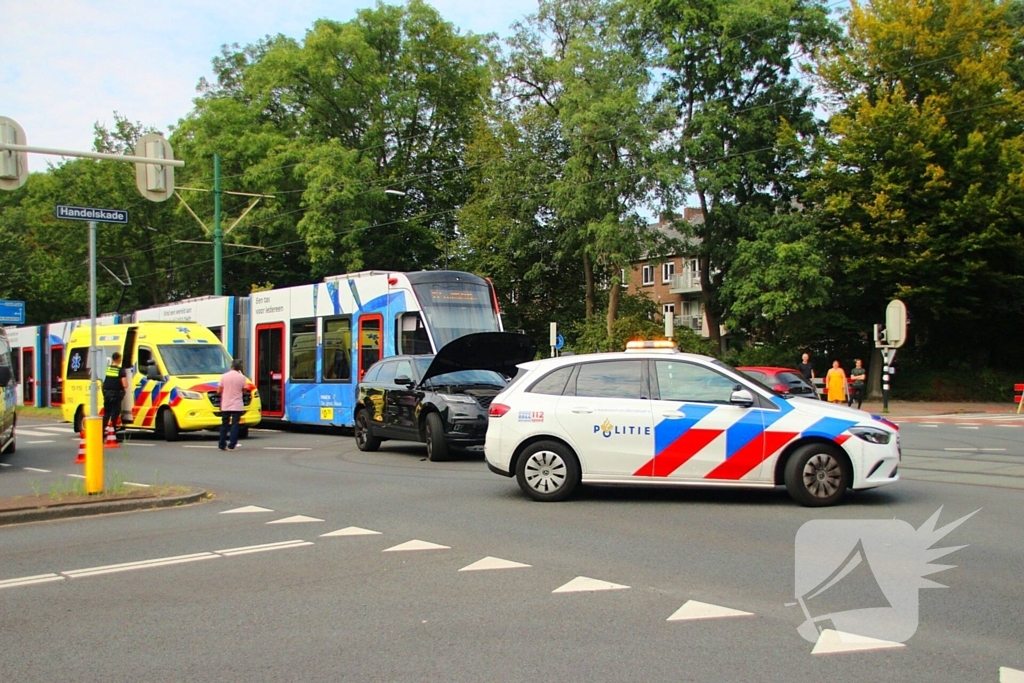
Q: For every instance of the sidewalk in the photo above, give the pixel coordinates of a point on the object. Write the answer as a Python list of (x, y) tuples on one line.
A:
[(936, 408)]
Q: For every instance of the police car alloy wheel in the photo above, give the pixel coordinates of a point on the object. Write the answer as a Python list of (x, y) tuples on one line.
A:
[(816, 476), (547, 471)]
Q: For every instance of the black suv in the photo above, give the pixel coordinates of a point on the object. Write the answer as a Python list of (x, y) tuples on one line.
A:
[(441, 400)]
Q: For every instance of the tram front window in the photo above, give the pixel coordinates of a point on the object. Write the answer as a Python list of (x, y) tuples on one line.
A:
[(455, 309)]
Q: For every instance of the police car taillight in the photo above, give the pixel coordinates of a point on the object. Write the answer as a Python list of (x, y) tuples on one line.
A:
[(655, 345), (497, 410)]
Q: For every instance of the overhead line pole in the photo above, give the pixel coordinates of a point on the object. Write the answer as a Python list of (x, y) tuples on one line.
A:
[(218, 235)]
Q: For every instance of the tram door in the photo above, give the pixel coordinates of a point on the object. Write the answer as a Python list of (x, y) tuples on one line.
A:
[(370, 341), (28, 376), (270, 368), (56, 375)]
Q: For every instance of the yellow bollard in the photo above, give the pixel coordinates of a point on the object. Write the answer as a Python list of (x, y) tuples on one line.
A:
[(93, 454)]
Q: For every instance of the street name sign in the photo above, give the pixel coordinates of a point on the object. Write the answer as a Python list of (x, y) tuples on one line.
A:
[(12, 312), (87, 213)]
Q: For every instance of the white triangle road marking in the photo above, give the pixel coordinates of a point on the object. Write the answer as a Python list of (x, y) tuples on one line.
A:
[(583, 584), (1008, 675), (493, 563), (415, 544), (247, 508), (295, 519), (352, 531), (831, 641), (693, 609)]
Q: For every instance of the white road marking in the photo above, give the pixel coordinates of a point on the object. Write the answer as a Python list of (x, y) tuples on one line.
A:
[(962, 427), (976, 450), (30, 580), (247, 508), (21, 431), (77, 476), (44, 441), (284, 448), (129, 442), (246, 550), (35, 469), (132, 483), (493, 563), (1008, 675), (693, 609), (415, 544), (929, 425), (958, 424), (1008, 426), (144, 564), (195, 446), (583, 584), (295, 519), (6, 464), (55, 428), (831, 641), (352, 531)]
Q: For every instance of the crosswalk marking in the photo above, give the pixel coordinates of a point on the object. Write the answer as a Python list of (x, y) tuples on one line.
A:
[(831, 641), (415, 544), (584, 584), (693, 609)]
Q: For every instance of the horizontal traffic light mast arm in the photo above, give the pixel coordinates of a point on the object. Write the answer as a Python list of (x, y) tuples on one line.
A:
[(177, 163)]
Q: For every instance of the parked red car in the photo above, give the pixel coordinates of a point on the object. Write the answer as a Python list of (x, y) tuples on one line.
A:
[(782, 380)]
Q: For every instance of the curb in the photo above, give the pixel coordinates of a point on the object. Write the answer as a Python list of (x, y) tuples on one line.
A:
[(106, 507)]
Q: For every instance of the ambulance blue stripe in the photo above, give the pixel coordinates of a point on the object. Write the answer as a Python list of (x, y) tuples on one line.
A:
[(668, 430), (828, 427)]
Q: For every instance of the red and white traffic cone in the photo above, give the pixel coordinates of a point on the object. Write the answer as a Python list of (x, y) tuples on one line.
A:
[(111, 437), (81, 448)]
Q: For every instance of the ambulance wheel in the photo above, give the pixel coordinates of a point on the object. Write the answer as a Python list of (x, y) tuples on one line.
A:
[(816, 475), (365, 440), (548, 471), (171, 431), (433, 433), (243, 432), (78, 420)]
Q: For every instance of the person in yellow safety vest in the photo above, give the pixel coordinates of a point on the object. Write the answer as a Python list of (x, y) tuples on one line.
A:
[(115, 384)]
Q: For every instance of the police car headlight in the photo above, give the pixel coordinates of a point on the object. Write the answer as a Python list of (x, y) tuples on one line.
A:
[(457, 398), (190, 395), (871, 434)]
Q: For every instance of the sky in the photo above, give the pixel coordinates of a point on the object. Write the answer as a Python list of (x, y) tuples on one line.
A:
[(68, 64)]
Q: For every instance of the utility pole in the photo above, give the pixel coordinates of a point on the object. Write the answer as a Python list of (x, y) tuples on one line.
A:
[(218, 236)]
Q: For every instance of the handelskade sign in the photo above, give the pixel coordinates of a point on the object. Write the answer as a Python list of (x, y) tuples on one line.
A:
[(86, 213)]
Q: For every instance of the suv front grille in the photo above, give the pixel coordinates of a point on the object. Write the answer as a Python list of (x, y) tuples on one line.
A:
[(215, 398), (484, 401)]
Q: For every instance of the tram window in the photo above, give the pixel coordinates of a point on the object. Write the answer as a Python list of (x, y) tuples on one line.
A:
[(337, 350), (411, 334), (303, 351), (16, 364)]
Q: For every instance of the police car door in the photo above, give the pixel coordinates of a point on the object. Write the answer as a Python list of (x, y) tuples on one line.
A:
[(606, 413), (699, 435)]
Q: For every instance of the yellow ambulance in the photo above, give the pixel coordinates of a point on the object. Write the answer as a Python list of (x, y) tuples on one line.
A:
[(175, 393)]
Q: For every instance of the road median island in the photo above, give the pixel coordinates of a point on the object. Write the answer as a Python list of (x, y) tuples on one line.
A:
[(21, 509)]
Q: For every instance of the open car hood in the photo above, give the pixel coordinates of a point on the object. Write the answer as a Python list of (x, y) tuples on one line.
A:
[(497, 351)]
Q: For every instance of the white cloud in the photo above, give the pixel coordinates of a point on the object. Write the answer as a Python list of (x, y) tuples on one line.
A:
[(71, 63)]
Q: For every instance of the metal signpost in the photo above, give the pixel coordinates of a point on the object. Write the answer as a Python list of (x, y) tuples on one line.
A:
[(888, 338), (154, 176)]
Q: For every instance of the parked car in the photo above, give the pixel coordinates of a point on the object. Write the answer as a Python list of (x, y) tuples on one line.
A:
[(440, 400), (782, 380)]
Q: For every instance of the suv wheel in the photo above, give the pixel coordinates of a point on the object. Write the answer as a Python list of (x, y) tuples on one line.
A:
[(816, 475), (433, 432), (548, 471), (365, 440)]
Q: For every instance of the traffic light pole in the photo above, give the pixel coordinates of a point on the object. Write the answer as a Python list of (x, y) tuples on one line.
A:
[(888, 355)]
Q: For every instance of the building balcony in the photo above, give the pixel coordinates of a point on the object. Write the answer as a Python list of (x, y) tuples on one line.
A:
[(695, 322), (684, 284)]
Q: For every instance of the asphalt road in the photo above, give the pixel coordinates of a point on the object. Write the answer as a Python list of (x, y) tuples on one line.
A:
[(339, 607)]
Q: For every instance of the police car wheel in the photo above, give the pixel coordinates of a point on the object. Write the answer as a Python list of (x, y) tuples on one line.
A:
[(547, 471), (365, 440), (816, 476)]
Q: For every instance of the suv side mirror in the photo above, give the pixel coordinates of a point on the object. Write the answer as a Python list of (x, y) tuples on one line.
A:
[(741, 397), (6, 375), (404, 381)]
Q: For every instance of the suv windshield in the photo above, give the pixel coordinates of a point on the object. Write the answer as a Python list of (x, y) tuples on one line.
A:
[(461, 377), (195, 359)]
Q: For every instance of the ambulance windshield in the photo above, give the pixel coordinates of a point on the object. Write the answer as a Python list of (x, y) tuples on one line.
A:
[(195, 359)]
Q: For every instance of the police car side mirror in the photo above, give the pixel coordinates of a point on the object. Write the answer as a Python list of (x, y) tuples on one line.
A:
[(741, 397)]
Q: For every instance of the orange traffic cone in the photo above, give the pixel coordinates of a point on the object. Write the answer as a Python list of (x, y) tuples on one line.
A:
[(81, 448), (111, 437)]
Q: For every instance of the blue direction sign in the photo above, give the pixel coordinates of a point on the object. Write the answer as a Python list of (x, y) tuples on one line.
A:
[(87, 213), (560, 342), (12, 312)]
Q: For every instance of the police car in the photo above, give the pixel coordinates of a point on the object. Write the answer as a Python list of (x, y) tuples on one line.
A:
[(654, 416)]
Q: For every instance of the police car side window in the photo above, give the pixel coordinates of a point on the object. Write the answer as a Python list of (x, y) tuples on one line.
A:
[(552, 383), (611, 379), (687, 382)]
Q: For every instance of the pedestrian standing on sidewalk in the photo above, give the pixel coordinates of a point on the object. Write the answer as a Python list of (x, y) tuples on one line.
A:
[(858, 375), (835, 384), (232, 384), (805, 368)]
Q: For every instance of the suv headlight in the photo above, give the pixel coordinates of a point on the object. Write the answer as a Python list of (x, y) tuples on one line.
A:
[(457, 398), (872, 434), (190, 395)]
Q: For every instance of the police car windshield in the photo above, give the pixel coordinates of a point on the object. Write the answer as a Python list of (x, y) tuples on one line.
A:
[(748, 379), (195, 359)]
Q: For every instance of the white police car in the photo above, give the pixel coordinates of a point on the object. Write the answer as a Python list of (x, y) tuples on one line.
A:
[(654, 416)]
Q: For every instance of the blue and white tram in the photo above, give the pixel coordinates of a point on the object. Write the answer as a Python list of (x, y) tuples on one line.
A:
[(311, 344)]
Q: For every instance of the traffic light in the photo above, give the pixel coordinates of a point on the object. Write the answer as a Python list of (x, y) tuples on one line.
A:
[(13, 165), (881, 338)]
